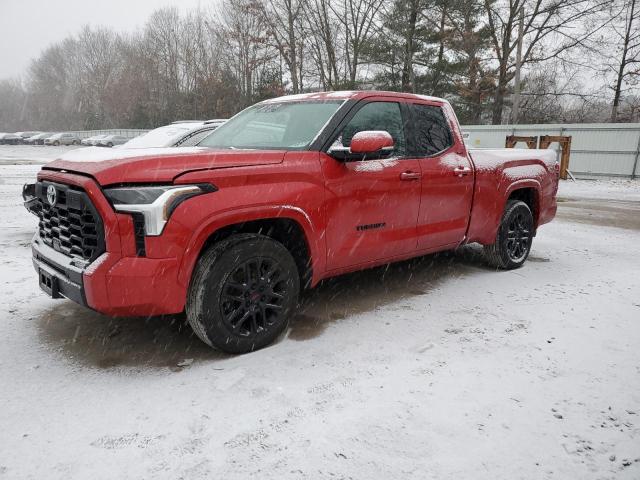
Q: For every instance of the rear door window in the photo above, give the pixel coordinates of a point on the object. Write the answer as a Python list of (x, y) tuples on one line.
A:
[(431, 130)]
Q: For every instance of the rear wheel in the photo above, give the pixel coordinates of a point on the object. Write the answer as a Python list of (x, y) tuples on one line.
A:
[(243, 292), (514, 237)]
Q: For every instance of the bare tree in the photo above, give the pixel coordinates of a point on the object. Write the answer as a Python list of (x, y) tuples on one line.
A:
[(283, 20), (320, 28), (626, 34), (358, 19), (93, 68), (52, 88), (243, 31), (551, 27), (12, 105)]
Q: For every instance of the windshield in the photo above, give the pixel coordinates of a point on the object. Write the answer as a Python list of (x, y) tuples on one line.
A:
[(161, 137), (274, 126)]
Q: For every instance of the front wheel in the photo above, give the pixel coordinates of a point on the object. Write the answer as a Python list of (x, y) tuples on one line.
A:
[(514, 237), (242, 293)]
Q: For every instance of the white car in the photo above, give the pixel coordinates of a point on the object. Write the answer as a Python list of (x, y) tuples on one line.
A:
[(92, 140), (111, 140), (178, 134)]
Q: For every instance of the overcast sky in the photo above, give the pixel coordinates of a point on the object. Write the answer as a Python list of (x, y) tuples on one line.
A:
[(28, 26)]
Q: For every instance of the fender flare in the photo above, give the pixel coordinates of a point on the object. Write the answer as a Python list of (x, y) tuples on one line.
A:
[(242, 215), (522, 184), (487, 237)]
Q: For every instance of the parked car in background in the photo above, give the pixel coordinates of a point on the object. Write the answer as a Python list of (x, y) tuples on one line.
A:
[(62, 139), (38, 139), (111, 140), (186, 133), (10, 139), (25, 135), (92, 140)]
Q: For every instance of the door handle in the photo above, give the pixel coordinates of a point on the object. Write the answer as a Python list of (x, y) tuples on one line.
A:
[(410, 176), (461, 171)]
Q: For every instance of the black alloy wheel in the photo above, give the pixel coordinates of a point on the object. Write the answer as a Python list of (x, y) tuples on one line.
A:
[(253, 296), (514, 237), (519, 236), (242, 293)]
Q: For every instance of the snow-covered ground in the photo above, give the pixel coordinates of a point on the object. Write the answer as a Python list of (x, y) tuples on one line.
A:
[(617, 189), (434, 368), (31, 154)]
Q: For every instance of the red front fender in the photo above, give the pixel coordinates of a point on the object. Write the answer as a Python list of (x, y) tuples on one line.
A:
[(225, 219)]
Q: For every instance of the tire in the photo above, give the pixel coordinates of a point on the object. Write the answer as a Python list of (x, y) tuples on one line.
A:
[(109, 144), (75, 142), (56, 144), (514, 237), (243, 291)]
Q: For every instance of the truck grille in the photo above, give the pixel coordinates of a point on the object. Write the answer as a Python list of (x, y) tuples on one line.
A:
[(69, 223)]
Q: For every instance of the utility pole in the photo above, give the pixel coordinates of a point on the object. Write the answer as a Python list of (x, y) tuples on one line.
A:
[(516, 88)]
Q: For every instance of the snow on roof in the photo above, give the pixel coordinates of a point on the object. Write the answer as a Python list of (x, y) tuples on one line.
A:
[(350, 94)]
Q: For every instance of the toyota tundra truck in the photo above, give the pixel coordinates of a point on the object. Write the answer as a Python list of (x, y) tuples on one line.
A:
[(289, 192)]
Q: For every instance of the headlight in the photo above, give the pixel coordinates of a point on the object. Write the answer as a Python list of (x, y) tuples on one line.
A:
[(154, 203)]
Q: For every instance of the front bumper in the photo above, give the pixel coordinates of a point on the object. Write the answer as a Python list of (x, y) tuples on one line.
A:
[(117, 283), (67, 275), (113, 285)]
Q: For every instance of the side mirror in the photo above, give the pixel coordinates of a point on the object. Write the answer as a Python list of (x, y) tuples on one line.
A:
[(368, 144), (372, 142)]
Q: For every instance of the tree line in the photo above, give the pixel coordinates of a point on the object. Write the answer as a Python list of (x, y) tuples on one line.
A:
[(557, 60)]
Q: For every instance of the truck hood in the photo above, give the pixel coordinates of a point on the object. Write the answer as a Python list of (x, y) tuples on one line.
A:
[(141, 165)]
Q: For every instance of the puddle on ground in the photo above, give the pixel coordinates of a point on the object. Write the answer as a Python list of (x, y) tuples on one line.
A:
[(341, 297), (602, 212), (99, 341), (531, 258)]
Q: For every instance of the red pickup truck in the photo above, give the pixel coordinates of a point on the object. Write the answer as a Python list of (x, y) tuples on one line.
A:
[(288, 192)]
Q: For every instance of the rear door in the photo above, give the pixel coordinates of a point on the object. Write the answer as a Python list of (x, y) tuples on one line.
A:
[(371, 205), (447, 177)]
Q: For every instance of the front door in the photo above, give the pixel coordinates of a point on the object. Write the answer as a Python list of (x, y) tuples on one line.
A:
[(371, 205)]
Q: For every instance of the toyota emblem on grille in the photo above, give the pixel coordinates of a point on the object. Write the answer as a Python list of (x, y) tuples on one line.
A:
[(52, 195)]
